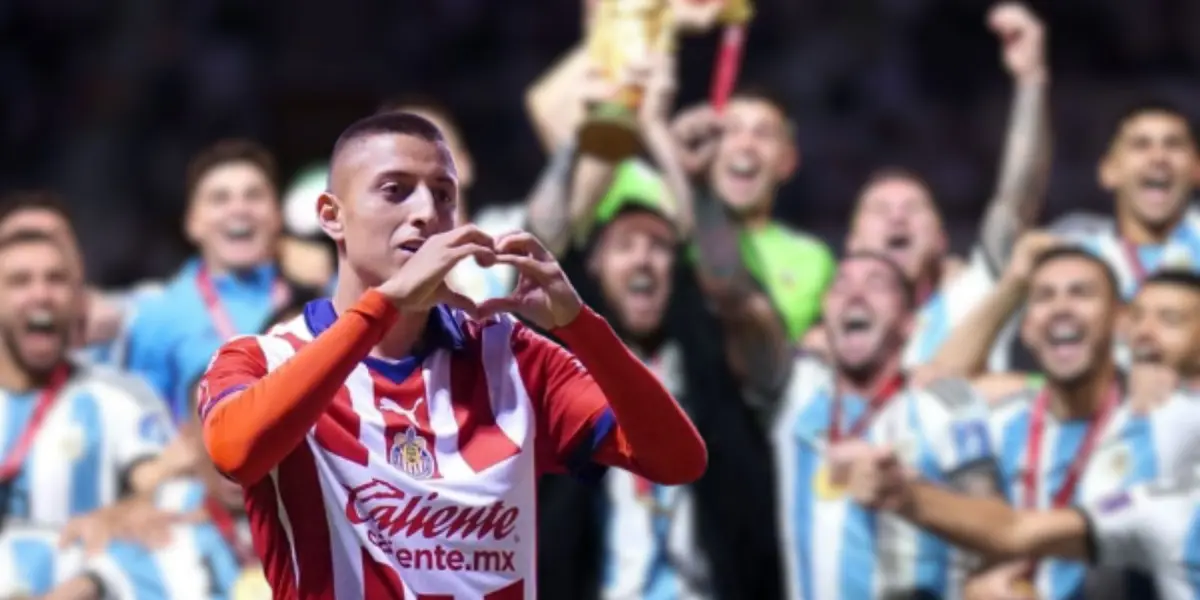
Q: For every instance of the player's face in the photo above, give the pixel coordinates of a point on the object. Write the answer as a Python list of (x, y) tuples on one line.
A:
[(633, 262), (755, 155), (1068, 318), (37, 300), (1164, 327), (865, 313), (897, 217), (397, 191), (234, 216), (46, 222), (1150, 167)]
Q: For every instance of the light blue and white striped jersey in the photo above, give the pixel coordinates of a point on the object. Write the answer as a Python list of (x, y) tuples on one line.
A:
[(1098, 235), (1153, 528), (1131, 449), (650, 550), (102, 423), (31, 563), (833, 548), (952, 302)]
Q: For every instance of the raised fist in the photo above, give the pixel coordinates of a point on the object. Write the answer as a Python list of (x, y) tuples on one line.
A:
[(1022, 40)]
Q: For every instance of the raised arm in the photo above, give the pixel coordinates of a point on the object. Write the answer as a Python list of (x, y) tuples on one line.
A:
[(553, 102), (965, 351), (757, 341), (1025, 166)]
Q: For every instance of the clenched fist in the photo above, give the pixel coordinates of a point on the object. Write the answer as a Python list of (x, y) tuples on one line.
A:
[(1022, 41)]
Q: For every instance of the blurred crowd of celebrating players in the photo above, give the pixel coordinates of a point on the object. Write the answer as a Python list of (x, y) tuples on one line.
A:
[(883, 420)]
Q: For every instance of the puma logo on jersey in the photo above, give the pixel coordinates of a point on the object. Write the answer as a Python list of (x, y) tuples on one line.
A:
[(389, 405)]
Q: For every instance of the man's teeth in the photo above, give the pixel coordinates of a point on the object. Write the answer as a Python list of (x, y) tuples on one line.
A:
[(899, 242), (641, 284), (40, 321), (856, 320), (239, 230), (1157, 183), (743, 166), (1146, 354), (1065, 333)]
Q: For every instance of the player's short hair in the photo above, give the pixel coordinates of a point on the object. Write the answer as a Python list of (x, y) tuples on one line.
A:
[(1067, 252), (1185, 278), (768, 96), (224, 152), (1151, 106), (395, 122), (28, 200), (907, 289)]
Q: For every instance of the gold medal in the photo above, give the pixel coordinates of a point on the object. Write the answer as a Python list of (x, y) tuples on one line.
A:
[(251, 585), (1025, 589), (825, 487)]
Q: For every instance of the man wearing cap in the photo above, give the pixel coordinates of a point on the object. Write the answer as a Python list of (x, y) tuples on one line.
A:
[(620, 232)]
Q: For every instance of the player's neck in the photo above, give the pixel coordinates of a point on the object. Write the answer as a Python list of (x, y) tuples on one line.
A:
[(1083, 399), (869, 381), (926, 284), (1138, 232), (401, 339)]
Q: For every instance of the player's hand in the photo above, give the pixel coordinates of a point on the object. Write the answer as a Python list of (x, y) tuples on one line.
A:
[(874, 477), (542, 295), (421, 282), (1029, 247), (1002, 582), (1022, 40), (696, 130), (136, 520), (696, 16), (1150, 385)]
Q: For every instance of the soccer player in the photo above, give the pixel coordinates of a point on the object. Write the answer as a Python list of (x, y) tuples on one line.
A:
[(79, 444), (105, 313), (1164, 324), (686, 542), (1152, 527), (833, 548), (1075, 438), (230, 288), (388, 444), (1149, 168), (896, 213)]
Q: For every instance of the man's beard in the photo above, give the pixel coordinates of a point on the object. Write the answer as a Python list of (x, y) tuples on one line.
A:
[(38, 373)]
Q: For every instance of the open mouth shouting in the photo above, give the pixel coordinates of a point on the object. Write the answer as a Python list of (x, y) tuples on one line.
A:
[(1065, 336)]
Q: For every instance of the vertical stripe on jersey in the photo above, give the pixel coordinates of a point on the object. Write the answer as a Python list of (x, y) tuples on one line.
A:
[(35, 562), (141, 574), (475, 385), (299, 494), (805, 471), (380, 582), (17, 410), (338, 429), (933, 563), (86, 469)]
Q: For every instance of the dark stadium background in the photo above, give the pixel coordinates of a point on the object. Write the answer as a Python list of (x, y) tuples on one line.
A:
[(104, 100)]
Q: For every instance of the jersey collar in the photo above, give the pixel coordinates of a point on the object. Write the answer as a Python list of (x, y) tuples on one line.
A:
[(442, 332)]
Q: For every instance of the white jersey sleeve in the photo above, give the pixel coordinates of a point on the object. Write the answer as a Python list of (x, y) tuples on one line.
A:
[(954, 420), (138, 423), (1146, 527)]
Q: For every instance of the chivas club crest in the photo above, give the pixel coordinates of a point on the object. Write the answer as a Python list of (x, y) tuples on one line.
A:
[(410, 453)]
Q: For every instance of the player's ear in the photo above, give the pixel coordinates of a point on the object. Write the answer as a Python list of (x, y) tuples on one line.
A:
[(329, 215), (191, 225)]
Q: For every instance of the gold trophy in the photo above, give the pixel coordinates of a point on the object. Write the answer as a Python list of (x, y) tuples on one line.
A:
[(622, 32)]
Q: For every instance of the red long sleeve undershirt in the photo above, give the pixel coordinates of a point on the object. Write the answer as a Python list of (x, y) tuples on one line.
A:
[(254, 429)]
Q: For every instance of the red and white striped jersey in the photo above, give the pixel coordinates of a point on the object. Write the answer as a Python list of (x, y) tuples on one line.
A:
[(419, 480)]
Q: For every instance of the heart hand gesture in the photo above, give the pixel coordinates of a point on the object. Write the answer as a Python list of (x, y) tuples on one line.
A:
[(543, 295), (421, 282)]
